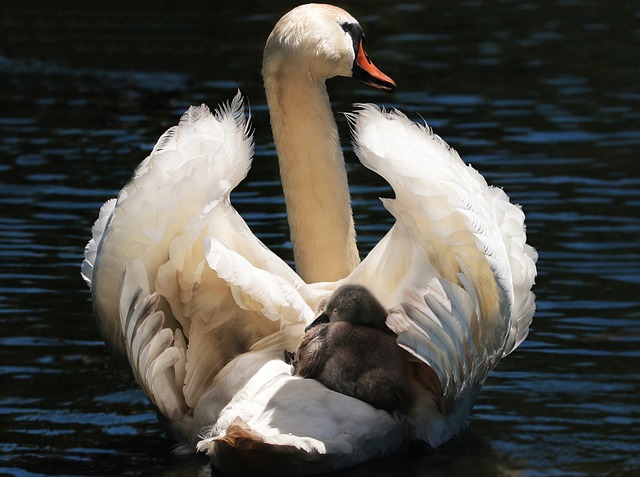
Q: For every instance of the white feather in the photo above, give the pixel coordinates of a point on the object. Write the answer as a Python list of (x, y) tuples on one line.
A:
[(97, 231), (152, 356)]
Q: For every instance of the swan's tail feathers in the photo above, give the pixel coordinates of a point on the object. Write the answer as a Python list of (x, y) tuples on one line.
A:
[(241, 450), (97, 231), (257, 289), (156, 354)]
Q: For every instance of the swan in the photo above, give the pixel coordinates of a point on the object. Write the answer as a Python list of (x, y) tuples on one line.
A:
[(349, 349), (201, 311)]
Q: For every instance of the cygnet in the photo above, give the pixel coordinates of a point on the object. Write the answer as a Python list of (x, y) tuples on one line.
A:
[(349, 349)]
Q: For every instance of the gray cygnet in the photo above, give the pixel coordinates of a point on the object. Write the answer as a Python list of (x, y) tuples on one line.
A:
[(349, 349)]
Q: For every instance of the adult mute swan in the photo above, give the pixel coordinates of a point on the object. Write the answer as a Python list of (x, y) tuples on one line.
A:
[(202, 311)]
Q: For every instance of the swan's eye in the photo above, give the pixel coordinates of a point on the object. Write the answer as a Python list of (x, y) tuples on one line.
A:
[(355, 32), (347, 27)]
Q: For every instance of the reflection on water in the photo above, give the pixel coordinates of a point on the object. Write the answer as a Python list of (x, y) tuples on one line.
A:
[(542, 97)]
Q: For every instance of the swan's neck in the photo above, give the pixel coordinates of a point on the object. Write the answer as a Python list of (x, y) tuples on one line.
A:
[(313, 175)]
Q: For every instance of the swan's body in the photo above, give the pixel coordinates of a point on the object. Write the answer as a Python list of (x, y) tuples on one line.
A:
[(203, 311)]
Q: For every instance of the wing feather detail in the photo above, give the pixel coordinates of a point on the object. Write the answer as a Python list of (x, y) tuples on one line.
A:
[(156, 361), (467, 291)]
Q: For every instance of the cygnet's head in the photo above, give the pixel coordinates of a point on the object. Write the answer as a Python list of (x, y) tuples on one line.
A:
[(354, 304), (321, 41)]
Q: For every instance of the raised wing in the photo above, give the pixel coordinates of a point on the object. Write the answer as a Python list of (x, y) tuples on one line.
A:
[(161, 200), (156, 230), (456, 259)]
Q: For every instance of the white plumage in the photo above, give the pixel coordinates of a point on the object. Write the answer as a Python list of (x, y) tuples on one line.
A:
[(203, 311)]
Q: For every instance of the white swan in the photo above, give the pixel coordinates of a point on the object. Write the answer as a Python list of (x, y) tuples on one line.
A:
[(202, 311)]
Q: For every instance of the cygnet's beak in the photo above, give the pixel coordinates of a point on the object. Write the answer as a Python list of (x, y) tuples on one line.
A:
[(367, 73), (323, 318)]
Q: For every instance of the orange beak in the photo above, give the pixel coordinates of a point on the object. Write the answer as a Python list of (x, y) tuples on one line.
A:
[(367, 73)]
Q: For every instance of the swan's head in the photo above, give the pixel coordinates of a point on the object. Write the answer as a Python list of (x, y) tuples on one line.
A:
[(322, 41)]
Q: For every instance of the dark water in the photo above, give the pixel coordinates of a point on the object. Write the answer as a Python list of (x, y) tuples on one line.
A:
[(542, 97)]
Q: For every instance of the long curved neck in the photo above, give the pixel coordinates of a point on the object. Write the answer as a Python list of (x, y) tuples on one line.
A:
[(313, 175)]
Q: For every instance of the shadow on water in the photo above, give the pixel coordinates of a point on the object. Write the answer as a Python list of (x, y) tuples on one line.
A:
[(541, 97)]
